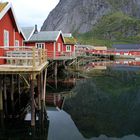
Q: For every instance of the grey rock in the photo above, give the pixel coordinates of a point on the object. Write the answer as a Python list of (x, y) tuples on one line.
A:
[(81, 15)]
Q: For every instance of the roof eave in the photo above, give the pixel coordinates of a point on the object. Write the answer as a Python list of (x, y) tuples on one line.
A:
[(40, 41)]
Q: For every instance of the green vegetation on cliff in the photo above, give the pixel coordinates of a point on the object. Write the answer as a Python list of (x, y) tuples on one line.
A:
[(113, 28)]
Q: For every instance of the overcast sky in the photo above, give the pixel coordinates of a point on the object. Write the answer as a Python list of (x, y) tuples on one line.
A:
[(31, 12)]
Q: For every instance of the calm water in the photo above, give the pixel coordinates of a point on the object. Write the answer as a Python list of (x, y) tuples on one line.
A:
[(103, 106)]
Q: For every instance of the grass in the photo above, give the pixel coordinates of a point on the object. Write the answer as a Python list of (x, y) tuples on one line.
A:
[(114, 28)]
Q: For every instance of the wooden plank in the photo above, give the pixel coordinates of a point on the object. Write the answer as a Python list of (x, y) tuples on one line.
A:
[(7, 69)]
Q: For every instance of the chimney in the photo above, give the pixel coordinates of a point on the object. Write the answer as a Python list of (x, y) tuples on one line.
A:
[(36, 30)]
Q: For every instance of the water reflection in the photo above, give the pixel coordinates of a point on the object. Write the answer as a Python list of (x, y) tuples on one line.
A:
[(107, 104), (102, 106)]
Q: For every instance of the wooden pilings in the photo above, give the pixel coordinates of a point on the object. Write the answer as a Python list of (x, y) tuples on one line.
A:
[(12, 87), (55, 74), (32, 101), (40, 105), (1, 98), (11, 91), (1, 106), (5, 95)]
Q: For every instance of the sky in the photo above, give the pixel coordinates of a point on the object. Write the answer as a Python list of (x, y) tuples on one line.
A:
[(31, 12)]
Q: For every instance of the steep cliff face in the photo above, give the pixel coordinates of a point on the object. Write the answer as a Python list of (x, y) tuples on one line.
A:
[(76, 15), (82, 15)]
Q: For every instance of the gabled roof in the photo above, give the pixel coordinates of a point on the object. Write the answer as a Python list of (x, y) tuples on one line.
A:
[(46, 36), (4, 8), (69, 39), (28, 32)]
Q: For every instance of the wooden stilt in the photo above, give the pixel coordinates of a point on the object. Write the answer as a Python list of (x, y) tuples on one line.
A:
[(42, 101), (39, 96), (5, 95), (55, 74), (12, 94), (44, 88), (12, 87), (1, 99), (19, 90), (32, 102), (1, 106), (4, 87), (39, 91)]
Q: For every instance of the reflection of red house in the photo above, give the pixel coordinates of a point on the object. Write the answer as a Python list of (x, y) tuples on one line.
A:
[(69, 45), (10, 33), (52, 41)]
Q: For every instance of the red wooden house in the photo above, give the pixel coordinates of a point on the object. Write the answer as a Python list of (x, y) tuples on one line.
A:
[(52, 41), (69, 45), (10, 33)]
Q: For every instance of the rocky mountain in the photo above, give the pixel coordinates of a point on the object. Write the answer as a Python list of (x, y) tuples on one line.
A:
[(82, 15)]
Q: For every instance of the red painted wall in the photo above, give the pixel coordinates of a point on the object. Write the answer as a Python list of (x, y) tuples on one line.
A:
[(72, 52), (59, 40), (19, 37), (29, 44), (8, 23), (72, 48), (50, 49), (49, 46)]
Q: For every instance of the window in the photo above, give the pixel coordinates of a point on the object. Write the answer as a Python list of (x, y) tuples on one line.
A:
[(16, 42), (6, 38), (59, 47), (40, 45), (68, 48)]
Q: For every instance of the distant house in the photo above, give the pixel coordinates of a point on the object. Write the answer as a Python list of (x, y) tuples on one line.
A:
[(52, 41), (69, 44), (126, 46), (127, 49), (10, 33)]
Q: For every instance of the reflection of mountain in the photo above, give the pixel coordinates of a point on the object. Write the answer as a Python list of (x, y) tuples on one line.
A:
[(107, 105)]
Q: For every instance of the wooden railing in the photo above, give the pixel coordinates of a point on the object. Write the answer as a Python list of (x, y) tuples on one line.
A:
[(60, 55), (22, 56)]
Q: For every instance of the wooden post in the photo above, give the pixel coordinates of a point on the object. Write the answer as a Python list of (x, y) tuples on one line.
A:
[(1, 99), (12, 87), (55, 74), (5, 94), (32, 101), (42, 100), (39, 96), (1, 106), (12, 94), (33, 64), (18, 77), (39, 91), (45, 81), (40, 57), (4, 87)]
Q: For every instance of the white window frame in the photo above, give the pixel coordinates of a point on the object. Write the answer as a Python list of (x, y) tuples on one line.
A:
[(59, 47), (40, 45), (16, 42), (68, 48), (6, 39)]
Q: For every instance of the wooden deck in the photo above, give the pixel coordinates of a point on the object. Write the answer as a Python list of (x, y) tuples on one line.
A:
[(23, 59)]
